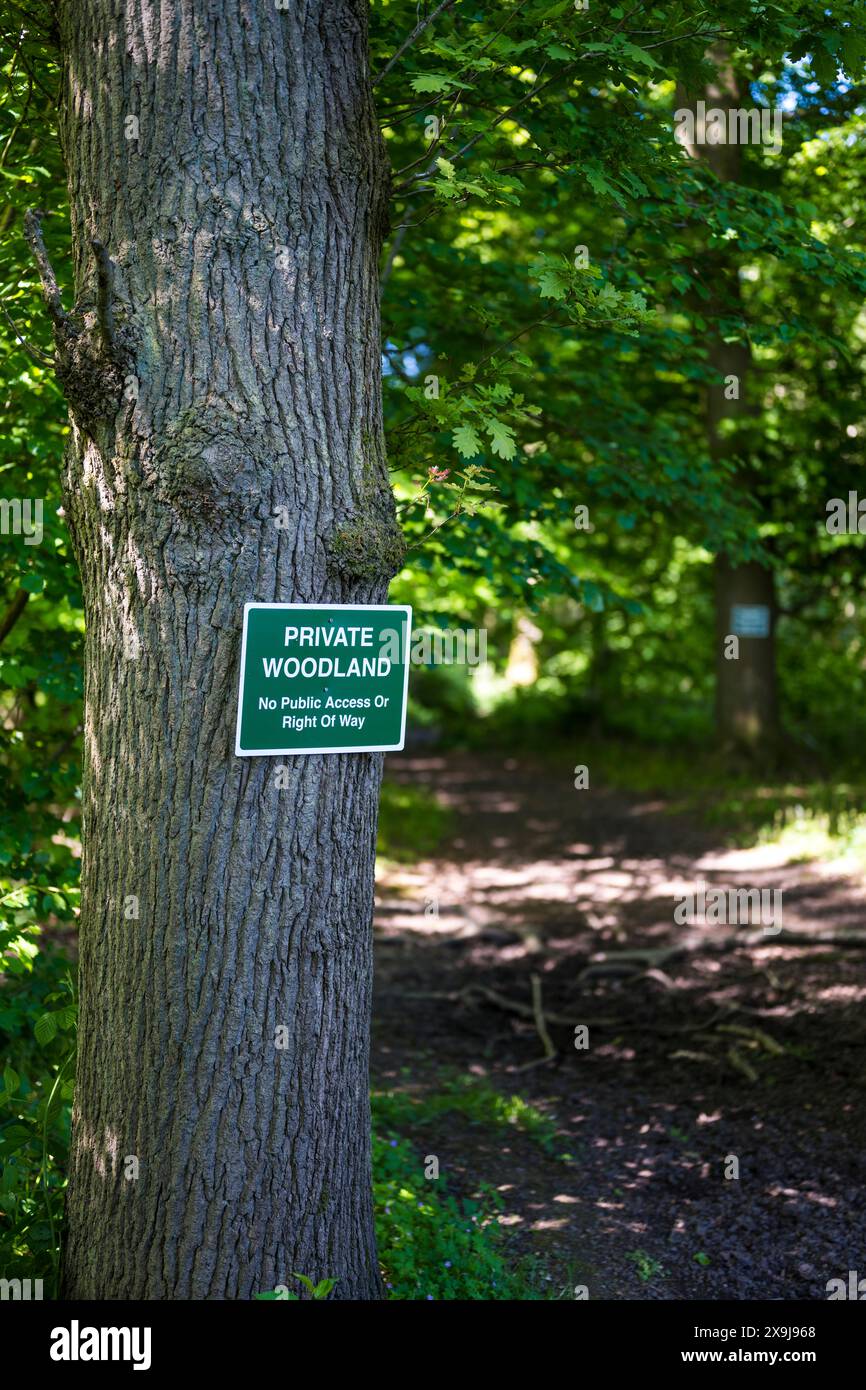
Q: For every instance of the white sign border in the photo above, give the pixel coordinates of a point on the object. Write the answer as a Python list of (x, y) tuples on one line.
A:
[(304, 752)]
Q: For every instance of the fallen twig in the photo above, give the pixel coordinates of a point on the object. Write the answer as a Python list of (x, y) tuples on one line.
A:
[(508, 1005), (538, 1012)]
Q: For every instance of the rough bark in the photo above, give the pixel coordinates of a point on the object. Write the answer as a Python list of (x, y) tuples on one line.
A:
[(746, 699), (222, 368)]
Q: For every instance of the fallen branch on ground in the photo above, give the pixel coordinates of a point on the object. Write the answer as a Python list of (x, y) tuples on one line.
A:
[(512, 1006), (635, 961), (538, 1012)]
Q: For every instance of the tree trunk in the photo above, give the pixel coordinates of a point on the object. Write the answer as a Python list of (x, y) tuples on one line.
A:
[(228, 186), (745, 687), (746, 702)]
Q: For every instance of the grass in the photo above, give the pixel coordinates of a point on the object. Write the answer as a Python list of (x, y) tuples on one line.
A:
[(811, 817), (810, 834), (412, 823), (432, 1244), (470, 1097)]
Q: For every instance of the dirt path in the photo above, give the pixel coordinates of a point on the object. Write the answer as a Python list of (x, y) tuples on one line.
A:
[(542, 879)]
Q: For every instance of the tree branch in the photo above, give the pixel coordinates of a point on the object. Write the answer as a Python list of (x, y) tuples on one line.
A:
[(50, 290), (419, 29), (32, 351), (394, 248), (540, 1021), (521, 334), (13, 613)]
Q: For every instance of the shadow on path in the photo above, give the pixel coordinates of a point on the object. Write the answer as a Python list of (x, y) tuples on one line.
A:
[(738, 1049)]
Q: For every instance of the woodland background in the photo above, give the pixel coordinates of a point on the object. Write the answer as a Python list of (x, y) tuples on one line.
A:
[(523, 381)]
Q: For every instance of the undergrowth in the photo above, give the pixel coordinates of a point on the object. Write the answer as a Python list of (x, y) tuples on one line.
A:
[(808, 815), (433, 1243), (412, 823)]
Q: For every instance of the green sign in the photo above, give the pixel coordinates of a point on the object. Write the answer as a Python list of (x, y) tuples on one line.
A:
[(321, 678)]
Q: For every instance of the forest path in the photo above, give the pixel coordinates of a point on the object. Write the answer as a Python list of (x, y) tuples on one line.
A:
[(542, 879)]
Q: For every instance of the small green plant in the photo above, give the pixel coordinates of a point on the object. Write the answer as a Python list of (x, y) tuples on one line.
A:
[(435, 1246), (318, 1291), (37, 1023), (647, 1267), (473, 1098)]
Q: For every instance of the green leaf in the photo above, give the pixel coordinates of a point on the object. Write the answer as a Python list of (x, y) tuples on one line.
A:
[(430, 82), (502, 437), (448, 188), (466, 441), (45, 1029), (639, 55), (551, 284), (597, 181)]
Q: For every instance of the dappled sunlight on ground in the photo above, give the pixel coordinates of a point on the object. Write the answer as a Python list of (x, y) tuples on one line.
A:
[(702, 1049)]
